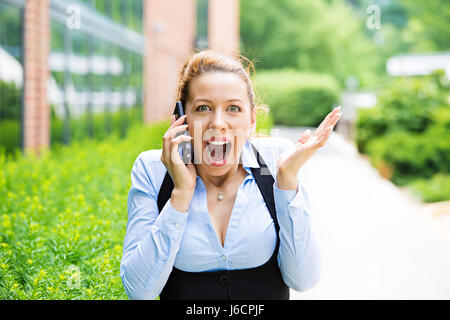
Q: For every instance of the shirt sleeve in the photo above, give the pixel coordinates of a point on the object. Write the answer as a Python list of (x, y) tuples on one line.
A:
[(299, 255), (152, 240)]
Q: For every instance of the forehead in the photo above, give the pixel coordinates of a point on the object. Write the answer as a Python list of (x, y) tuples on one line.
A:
[(217, 86)]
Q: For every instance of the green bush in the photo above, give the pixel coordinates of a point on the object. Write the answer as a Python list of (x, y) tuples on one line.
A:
[(9, 135), (407, 135), (9, 100), (370, 123), (411, 154), (264, 123), (79, 127), (63, 217), (9, 117), (431, 190), (296, 98), (406, 105)]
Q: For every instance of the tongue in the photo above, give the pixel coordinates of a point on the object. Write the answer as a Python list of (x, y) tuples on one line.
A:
[(217, 153)]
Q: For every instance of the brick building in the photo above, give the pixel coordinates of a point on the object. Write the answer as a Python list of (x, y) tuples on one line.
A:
[(77, 55)]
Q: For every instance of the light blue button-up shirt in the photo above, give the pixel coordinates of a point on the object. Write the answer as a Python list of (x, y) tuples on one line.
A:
[(155, 242)]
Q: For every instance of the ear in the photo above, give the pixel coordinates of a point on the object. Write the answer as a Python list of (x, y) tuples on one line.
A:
[(253, 121)]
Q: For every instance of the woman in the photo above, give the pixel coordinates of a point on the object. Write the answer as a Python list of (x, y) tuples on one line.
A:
[(235, 224)]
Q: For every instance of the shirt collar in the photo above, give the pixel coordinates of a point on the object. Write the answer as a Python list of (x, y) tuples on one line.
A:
[(248, 157)]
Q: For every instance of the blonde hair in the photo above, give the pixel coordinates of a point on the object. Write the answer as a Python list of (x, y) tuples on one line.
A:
[(211, 61)]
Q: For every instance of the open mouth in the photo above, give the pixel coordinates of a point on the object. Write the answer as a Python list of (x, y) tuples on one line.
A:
[(217, 151)]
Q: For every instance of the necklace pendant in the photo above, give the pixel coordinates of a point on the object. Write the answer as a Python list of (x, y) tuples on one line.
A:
[(220, 196)]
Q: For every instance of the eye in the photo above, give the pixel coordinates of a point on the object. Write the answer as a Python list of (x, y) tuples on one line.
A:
[(203, 108), (234, 108)]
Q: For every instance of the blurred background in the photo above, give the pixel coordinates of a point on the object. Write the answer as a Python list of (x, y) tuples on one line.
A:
[(85, 86)]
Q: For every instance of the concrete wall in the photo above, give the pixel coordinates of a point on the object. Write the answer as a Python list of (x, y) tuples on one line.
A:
[(223, 26), (170, 31), (169, 27)]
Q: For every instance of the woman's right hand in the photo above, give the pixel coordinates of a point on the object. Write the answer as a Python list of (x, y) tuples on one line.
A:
[(183, 176)]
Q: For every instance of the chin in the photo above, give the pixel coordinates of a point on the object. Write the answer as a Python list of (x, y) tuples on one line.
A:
[(216, 171)]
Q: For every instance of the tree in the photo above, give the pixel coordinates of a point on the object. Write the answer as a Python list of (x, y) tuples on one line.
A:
[(432, 20), (311, 35)]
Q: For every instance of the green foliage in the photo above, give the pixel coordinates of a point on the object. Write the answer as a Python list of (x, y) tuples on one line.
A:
[(264, 123), (296, 98), (9, 100), (9, 135), (370, 123), (63, 218), (407, 135), (431, 190), (430, 20), (406, 105), (412, 154), (310, 35), (101, 124)]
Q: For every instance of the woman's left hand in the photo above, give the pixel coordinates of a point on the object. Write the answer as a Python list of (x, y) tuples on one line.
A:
[(307, 145)]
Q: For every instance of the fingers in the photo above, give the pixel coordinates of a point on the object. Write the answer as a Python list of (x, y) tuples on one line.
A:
[(176, 122), (330, 119), (168, 136), (175, 156), (324, 135), (305, 136), (171, 132), (335, 118), (181, 138)]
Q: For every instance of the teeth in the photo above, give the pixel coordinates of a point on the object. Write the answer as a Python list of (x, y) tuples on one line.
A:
[(218, 143)]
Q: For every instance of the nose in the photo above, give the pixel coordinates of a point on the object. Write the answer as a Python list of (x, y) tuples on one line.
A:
[(218, 121)]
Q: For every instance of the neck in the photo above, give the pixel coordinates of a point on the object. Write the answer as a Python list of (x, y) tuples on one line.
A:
[(218, 181)]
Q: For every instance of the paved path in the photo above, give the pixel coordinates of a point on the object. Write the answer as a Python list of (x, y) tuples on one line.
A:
[(376, 242)]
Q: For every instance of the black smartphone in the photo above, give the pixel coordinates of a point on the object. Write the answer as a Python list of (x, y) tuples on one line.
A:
[(184, 148)]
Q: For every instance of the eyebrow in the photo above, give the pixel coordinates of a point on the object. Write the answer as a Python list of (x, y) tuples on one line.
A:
[(200, 99)]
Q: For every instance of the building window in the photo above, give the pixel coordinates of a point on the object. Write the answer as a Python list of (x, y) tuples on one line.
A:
[(11, 78), (96, 79)]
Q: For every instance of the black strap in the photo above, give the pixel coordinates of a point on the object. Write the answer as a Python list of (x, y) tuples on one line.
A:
[(265, 181), (263, 178), (165, 192)]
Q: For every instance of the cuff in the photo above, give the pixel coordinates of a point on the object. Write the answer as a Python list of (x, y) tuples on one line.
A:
[(171, 221), (292, 198)]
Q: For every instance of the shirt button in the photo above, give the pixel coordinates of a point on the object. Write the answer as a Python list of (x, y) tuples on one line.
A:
[(177, 225), (224, 279), (223, 258)]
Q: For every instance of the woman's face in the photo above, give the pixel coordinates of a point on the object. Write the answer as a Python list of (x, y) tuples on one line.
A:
[(220, 120)]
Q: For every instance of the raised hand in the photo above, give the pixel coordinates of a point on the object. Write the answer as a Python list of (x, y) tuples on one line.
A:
[(306, 146)]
